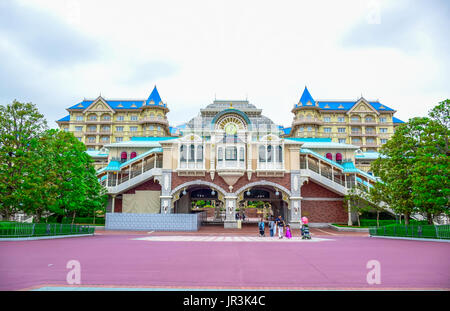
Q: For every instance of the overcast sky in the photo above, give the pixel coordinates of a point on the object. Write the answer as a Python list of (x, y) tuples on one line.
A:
[(54, 53)]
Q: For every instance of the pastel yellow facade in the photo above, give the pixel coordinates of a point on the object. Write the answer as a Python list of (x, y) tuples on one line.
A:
[(361, 126)]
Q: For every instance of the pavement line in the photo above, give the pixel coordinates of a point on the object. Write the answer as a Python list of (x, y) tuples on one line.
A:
[(326, 231)]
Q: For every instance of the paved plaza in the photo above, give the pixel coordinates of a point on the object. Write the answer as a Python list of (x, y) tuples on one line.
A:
[(212, 259)]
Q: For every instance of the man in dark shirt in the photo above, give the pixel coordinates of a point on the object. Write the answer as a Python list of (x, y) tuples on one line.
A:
[(280, 225)]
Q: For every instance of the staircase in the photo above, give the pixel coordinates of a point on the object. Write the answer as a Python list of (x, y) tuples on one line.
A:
[(134, 181)]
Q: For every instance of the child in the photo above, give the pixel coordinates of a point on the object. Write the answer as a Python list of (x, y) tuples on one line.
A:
[(261, 227), (288, 232)]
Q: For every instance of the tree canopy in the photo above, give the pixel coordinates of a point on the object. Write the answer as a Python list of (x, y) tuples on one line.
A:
[(414, 166), (43, 171)]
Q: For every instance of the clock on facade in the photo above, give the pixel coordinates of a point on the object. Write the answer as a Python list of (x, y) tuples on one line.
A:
[(230, 129)]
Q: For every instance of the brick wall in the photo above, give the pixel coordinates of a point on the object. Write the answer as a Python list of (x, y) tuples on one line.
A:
[(313, 190), (284, 181), (324, 211), (148, 185), (118, 205)]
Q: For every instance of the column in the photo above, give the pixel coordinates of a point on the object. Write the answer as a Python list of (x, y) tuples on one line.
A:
[(350, 221), (295, 205), (113, 203), (230, 212), (166, 204)]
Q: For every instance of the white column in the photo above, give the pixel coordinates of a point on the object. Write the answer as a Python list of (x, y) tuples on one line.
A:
[(142, 171), (113, 203)]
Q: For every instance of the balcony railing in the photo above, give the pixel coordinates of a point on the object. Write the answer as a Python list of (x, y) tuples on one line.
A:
[(230, 164), (301, 121), (153, 120), (138, 168)]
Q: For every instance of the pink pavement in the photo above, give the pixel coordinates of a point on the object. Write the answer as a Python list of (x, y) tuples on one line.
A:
[(118, 260)]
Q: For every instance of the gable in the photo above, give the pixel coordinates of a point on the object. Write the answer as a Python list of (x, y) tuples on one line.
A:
[(99, 105), (362, 106)]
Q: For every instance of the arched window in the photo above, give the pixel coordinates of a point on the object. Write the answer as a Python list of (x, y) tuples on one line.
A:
[(191, 153), (262, 153), (338, 157), (329, 156), (270, 153), (123, 156), (199, 153), (133, 155), (183, 153), (280, 154)]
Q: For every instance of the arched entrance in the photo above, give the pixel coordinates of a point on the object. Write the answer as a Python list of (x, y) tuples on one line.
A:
[(263, 201), (195, 197)]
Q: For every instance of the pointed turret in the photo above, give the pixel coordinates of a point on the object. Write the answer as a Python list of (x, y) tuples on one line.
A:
[(306, 115), (306, 97), (154, 98)]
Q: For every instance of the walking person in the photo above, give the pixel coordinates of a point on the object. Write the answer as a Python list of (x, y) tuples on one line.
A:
[(261, 228), (271, 226), (288, 232), (280, 226)]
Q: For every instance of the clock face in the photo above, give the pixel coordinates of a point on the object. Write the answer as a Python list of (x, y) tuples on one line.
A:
[(231, 129)]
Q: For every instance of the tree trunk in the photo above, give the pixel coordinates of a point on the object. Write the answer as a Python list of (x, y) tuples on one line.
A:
[(359, 223), (94, 216), (406, 218), (430, 218), (73, 217), (378, 218)]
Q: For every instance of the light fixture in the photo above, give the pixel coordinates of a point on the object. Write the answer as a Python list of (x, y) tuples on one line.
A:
[(184, 192), (277, 193), (213, 192), (248, 192)]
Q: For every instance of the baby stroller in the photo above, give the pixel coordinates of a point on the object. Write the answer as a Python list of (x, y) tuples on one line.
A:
[(305, 233)]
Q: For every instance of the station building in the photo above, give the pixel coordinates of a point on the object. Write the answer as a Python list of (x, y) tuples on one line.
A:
[(231, 154)]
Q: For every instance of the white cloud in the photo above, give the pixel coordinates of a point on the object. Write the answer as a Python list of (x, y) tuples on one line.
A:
[(265, 50)]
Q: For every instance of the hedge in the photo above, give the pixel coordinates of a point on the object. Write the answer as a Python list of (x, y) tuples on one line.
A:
[(20, 230), (413, 230)]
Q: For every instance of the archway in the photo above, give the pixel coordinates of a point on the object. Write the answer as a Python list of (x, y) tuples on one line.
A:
[(263, 200), (200, 196)]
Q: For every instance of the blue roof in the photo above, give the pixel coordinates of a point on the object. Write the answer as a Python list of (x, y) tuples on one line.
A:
[(65, 119), (337, 105), (124, 103), (287, 130), (151, 138), (114, 104), (310, 140), (347, 105), (155, 98), (306, 97), (112, 166), (349, 167), (396, 120)]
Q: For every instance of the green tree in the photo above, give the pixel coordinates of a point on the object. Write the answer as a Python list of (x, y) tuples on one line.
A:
[(68, 175), (395, 167), (20, 126), (356, 201), (415, 166)]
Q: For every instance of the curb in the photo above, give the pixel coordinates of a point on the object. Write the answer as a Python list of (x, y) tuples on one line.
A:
[(46, 237), (411, 239), (349, 229)]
